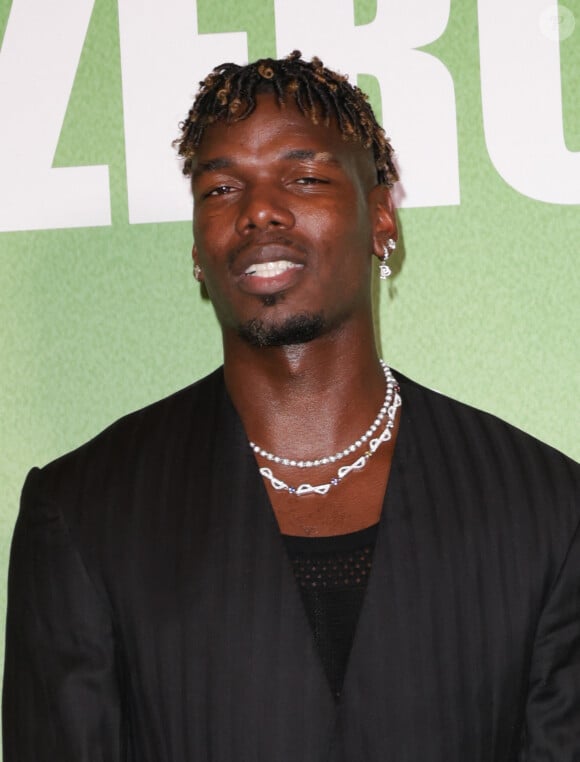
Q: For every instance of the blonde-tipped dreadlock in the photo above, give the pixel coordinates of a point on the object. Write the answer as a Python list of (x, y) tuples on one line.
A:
[(229, 93)]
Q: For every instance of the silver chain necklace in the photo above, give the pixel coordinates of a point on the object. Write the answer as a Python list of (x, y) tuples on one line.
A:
[(391, 404), (323, 461)]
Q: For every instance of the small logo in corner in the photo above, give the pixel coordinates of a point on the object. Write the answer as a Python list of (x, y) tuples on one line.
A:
[(557, 23)]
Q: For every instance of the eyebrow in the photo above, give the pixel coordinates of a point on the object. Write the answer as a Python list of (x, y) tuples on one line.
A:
[(305, 154), (212, 165), (296, 154)]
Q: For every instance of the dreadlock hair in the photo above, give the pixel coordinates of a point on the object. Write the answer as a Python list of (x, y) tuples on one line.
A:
[(228, 94)]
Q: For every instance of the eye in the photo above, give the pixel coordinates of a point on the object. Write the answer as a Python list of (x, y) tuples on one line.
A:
[(221, 190), (310, 181)]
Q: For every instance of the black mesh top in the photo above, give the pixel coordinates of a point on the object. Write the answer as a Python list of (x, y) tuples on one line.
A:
[(332, 574)]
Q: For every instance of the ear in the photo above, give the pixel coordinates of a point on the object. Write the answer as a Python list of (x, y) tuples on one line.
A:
[(197, 271), (383, 219)]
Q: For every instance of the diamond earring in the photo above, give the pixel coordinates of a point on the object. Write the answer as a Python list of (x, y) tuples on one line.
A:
[(388, 248)]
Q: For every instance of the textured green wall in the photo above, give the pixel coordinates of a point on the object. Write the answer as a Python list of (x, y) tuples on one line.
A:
[(99, 321)]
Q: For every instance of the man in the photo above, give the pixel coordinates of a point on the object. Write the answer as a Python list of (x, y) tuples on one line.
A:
[(299, 557)]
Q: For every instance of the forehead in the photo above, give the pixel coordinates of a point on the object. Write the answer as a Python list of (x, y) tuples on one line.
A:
[(281, 130)]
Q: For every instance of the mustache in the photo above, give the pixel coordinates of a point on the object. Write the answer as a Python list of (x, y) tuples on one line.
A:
[(264, 240)]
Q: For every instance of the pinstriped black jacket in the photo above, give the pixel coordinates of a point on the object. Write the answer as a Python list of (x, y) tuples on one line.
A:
[(153, 615)]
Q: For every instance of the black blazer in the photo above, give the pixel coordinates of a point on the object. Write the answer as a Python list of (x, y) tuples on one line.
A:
[(153, 614)]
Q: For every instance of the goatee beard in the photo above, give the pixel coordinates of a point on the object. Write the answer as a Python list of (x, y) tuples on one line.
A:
[(298, 329)]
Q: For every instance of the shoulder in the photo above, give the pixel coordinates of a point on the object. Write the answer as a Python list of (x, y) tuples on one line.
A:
[(433, 411), (469, 449), (145, 471), (137, 443)]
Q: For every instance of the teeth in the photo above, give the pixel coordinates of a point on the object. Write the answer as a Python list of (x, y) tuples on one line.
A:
[(270, 269)]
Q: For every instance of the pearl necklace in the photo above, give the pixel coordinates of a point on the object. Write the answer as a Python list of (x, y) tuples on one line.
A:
[(392, 403), (323, 461)]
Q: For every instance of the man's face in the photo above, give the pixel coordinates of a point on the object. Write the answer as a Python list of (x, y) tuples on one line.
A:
[(285, 224)]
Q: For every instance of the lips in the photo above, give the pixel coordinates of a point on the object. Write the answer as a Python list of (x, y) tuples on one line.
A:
[(271, 269), (268, 266), (264, 249)]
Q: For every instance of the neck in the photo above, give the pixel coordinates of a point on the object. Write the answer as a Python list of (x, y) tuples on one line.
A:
[(306, 399)]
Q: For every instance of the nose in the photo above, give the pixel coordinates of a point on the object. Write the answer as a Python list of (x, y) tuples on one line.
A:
[(263, 207)]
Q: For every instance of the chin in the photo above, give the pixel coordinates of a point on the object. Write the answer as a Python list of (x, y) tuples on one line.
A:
[(298, 329)]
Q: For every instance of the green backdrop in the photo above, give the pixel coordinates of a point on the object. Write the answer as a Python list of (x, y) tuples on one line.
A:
[(99, 321)]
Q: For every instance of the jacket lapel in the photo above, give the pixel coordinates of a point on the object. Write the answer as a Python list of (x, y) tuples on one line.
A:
[(263, 656)]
